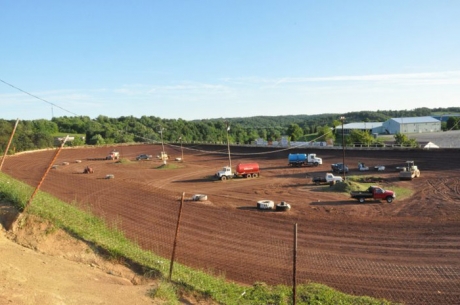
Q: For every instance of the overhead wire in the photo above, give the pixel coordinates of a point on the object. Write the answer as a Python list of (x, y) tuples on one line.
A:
[(173, 145), (39, 98)]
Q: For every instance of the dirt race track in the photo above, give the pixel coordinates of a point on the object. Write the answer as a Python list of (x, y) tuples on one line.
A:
[(407, 251)]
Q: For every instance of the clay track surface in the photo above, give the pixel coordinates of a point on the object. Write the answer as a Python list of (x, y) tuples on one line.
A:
[(407, 251)]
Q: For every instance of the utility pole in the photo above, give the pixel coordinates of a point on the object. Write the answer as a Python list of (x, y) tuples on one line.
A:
[(181, 149), (228, 147), (342, 118), (163, 154)]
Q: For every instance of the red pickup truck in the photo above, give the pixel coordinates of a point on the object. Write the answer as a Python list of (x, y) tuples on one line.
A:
[(374, 192)]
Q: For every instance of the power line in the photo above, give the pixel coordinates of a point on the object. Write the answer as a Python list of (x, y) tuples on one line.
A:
[(39, 98), (172, 145)]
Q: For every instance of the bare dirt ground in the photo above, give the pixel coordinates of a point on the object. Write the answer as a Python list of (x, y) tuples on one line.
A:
[(40, 267), (407, 251)]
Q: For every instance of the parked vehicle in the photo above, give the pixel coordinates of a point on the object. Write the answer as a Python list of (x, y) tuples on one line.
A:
[(379, 168), (328, 178), (163, 156), (143, 157), (338, 168), (374, 192), (113, 155), (245, 170), (304, 159), (362, 167), (409, 171)]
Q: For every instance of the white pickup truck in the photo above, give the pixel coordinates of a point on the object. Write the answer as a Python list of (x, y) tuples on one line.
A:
[(328, 178)]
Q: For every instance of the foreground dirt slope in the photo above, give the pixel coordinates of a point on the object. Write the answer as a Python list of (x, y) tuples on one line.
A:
[(60, 270), (406, 251)]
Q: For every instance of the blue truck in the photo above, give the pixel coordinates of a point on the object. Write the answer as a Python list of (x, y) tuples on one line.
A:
[(304, 160)]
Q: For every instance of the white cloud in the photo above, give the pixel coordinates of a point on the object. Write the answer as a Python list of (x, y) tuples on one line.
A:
[(426, 78)]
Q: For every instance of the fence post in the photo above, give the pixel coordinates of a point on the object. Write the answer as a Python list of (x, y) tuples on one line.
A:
[(294, 268), (37, 188), (9, 143), (175, 237)]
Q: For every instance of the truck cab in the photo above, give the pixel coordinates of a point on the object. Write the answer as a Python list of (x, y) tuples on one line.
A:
[(328, 178), (225, 173), (313, 159)]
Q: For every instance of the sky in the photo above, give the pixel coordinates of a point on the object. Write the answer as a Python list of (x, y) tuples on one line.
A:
[(224, 59)]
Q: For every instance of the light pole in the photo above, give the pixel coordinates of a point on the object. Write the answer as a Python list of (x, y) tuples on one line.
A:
[(181, 150), (162, 146), (228, 147), (342, 118)]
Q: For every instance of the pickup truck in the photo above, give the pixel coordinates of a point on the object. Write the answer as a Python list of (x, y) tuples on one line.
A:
[(328, 178), (338, 168), (374, 192)]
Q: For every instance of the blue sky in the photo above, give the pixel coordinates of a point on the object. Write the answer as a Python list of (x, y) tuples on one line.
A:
[(211, 59)]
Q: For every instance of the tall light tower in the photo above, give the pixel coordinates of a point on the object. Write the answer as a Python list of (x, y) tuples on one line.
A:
[(342, 118), (181, 150), (163, 154), (228, 147)]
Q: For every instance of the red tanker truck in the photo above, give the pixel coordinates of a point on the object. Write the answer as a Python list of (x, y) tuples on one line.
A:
[(245, 170)]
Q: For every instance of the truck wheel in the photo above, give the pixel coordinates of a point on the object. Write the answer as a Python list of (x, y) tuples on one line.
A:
[(255, 175), (248, 176), (361, 200), (315, 164), (223, 178), (389, 199)]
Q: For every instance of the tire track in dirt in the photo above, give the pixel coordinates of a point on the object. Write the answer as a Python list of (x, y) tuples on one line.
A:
[(405, 251)]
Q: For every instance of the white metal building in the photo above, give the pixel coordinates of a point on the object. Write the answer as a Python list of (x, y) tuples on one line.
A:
[(371, 127), (411, 125)]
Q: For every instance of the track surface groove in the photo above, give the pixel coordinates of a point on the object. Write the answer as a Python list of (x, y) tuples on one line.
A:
[(406, 251)]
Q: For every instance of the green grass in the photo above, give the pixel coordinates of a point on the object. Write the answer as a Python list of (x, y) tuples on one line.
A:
[(357, 184), (185, 280), (168, 166)]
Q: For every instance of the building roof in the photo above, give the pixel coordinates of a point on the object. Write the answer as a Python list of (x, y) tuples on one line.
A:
[(360, 125), (411, 120)]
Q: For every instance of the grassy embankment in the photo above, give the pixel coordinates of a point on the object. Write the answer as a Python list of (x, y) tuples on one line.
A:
[(185, 280)]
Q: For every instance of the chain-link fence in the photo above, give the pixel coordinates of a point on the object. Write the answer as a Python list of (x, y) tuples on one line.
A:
[(243, 245)]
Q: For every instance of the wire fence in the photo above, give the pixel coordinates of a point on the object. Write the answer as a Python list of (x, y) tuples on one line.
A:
[(243, 245)]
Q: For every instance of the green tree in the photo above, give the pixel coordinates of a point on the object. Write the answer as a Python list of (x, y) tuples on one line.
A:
[(294, 132), (325, 133), (403, 140), (453, 123), (77, 141), (361, 137), (97, 139)]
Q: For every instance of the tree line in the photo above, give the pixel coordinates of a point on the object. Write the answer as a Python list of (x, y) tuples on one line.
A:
[(38, 134)]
